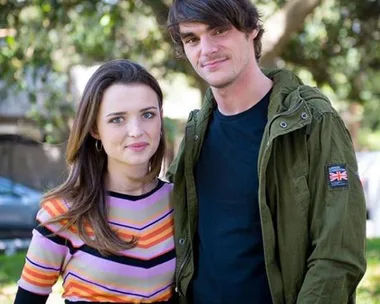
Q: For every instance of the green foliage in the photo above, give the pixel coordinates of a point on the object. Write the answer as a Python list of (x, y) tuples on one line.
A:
[(339, 46), (41, 40), (10, 268)]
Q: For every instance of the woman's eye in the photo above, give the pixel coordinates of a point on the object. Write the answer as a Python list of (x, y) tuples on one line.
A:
[(148, 115), (117, 120)]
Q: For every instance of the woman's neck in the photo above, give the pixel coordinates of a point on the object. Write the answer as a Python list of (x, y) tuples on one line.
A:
[(131, 183)]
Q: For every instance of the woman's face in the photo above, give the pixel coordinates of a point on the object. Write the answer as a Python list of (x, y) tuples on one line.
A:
[(129, 125)]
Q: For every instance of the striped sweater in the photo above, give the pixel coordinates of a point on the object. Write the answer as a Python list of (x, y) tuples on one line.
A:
[(143, 274)]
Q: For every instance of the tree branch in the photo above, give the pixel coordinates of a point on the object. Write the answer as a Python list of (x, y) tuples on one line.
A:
[(282, 25)]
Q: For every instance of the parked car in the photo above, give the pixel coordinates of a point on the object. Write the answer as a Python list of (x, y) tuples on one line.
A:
[(19, 205)]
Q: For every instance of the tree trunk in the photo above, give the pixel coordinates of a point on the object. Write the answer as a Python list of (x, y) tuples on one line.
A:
[(281, 26)]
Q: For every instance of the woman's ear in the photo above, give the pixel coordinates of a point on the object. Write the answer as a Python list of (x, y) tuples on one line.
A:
[(94, 133)]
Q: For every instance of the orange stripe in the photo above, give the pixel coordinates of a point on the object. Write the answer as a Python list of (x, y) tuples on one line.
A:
[(54, 207), (164, 297), (163, 238), (31, 280), (159, 238), (126, 233), (153, 234), (99, 294), (39, 275), (93, 293), (157, 225)]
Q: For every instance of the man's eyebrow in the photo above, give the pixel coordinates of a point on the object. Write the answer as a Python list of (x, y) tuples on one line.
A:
[(185, 35)]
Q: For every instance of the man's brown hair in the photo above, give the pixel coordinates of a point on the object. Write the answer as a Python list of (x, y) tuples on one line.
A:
[(242, 14)]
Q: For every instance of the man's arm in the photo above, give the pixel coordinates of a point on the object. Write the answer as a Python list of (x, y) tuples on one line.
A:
[(174, 165), (337, 217)]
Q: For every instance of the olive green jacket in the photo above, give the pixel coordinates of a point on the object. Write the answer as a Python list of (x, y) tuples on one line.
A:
[(313, 233)]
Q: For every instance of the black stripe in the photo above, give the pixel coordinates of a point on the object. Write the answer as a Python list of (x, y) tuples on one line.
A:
[(114, 258), (131, 261), (137, 197)]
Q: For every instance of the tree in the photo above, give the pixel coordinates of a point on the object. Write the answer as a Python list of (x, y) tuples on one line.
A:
[(48, 37)]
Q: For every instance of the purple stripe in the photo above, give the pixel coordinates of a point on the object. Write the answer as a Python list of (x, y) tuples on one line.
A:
[(44, 267), (116, 290), (144, 227)]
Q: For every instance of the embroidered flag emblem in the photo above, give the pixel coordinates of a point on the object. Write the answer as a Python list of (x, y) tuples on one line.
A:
[(337, 176)]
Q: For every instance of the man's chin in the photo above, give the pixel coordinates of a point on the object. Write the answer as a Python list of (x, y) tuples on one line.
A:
[(220, 84)]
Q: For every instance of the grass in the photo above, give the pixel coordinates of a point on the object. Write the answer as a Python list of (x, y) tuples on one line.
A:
[(10, 270), (11, 266), (369, 288)]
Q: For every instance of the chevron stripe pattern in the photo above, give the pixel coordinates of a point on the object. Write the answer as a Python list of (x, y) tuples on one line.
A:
[(143, 274)]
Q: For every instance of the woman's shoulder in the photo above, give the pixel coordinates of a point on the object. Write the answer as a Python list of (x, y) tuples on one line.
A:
[(52, 208)]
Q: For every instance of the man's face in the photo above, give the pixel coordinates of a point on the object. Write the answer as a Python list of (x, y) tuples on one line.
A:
[(219, 55)]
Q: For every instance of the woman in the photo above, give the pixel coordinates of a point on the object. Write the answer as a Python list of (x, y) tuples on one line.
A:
[(108, 229)]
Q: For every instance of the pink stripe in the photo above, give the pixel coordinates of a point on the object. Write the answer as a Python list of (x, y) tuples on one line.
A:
[(40, 242), (34, 289)]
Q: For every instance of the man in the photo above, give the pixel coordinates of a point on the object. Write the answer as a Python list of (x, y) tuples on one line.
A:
[(268, 204)]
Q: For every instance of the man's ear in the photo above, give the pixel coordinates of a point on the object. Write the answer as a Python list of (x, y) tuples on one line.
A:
[(254, 33)]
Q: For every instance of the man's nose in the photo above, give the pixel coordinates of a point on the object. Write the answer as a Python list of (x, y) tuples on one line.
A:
[(208, 46)]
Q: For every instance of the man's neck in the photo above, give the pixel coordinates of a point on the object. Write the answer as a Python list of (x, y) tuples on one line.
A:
[(242, 94)]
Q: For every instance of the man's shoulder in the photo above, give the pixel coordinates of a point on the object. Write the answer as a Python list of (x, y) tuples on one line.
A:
[(318, 103)]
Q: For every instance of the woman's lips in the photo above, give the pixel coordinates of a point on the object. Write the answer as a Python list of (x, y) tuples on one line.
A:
[(137, 146)]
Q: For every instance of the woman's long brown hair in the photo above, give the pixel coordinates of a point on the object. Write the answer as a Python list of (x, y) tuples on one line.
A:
[(84, 188)]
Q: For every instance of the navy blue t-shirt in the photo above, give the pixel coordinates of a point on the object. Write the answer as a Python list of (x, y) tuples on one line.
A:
[(229, 262)]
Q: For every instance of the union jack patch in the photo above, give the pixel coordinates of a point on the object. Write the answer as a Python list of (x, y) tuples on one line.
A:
[(337, 176)]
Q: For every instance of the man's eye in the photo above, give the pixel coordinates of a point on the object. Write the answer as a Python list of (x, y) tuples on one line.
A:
[(148, 115), (219, 31), (191, 40), (117, 120)]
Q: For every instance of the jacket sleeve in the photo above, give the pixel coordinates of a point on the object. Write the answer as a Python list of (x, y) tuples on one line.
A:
[(174, 165), (337, 217)]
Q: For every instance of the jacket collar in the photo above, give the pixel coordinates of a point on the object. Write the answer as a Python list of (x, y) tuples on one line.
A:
[(284, 94)]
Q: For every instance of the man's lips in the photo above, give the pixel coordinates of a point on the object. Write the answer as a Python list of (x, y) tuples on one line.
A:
[(214, 62)]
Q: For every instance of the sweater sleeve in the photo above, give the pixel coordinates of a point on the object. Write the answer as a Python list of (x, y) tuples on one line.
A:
[(46, 256)]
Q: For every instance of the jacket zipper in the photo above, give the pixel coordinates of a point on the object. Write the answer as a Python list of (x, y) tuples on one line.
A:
[(265, 152), (178, 288)]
